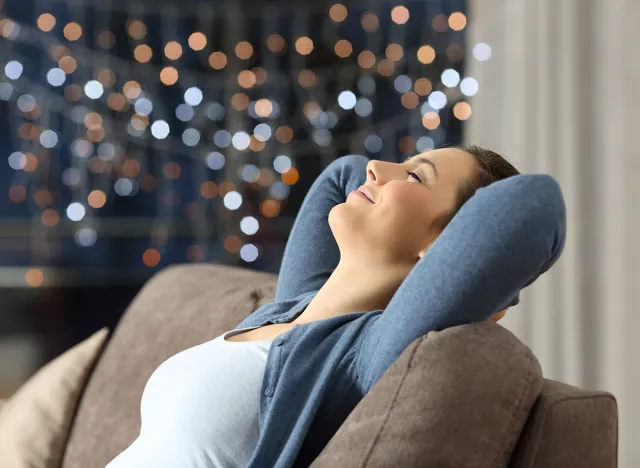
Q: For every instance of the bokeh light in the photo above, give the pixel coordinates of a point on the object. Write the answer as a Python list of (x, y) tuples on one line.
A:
[(343, 48), (400, 14), (46, 22), (34, 277), (304, 45), (142, 53), (137, 29), (462, 110), (457, 21), (197, 41), (426, 54), (276, 43), (369, 21), (244, 50), (72, 31), (217, 60), (338, 12), (173, 50), (482, 51), (169, 76)]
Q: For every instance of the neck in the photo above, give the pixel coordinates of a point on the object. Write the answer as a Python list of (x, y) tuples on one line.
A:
[(354, 288)]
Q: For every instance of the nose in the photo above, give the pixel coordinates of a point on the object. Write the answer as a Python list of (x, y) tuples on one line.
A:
[(378, 172)]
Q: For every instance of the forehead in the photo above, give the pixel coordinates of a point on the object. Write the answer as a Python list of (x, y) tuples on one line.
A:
[(452, 164)]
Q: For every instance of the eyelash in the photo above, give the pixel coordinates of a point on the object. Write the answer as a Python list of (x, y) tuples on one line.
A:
[(413, 174)]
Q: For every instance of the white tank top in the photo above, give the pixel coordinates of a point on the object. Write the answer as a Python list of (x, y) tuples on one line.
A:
[(200, 407)]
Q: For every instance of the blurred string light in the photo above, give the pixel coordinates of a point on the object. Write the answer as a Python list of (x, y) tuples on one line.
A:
[(203, 111)]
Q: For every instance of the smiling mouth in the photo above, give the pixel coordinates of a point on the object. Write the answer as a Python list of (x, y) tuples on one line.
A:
[(358, 193)]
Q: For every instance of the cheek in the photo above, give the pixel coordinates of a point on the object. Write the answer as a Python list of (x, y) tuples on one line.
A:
[(411, 208), (402, 214), (408, 200)]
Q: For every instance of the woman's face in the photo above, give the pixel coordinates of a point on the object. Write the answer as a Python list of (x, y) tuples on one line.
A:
[(402, 221)]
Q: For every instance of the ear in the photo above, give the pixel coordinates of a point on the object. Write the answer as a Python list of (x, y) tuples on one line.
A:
[(425, 250)]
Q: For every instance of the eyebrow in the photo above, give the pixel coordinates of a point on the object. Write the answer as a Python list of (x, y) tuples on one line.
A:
[(423, 160)]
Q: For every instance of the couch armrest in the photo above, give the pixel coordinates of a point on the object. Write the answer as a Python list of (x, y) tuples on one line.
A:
[(459, 397)]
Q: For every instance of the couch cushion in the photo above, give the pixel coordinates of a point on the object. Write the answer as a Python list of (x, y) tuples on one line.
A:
[(455, 398), (569, 426), (35, 421), (180, 307)]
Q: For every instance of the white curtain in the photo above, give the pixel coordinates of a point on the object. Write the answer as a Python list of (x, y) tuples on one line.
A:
[(560, 94)]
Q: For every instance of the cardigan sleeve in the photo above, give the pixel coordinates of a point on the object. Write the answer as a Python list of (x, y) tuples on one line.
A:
[(311, 253), (500, 241)]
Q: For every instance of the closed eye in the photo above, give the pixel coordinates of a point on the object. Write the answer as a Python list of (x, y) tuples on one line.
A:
[(413, 174)]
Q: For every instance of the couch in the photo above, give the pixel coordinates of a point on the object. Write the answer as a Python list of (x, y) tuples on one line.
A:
[(468, 396)]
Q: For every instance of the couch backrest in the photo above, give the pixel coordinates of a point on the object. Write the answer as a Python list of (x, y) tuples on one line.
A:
[(455, 398), (421, 393), (180, 307)]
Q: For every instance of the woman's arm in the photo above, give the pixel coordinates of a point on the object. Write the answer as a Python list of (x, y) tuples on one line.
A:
[(311, 253), (500, 241)]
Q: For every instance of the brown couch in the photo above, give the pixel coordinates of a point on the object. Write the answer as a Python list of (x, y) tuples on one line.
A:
[(469, 396)]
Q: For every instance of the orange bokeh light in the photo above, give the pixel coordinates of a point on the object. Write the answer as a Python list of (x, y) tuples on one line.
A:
[(169, 76), (284, 134), (394, 52), (131, 89), (97, 199), (462, 110), (291, 176), (276, 43), (422, 86), (137, 29), (72, 31), (34, 277), (431, 120), (217, 60), (208, 189), (17, 194), (304, 45), (172, 170), (46, 22), (246, 79), (173, 50), (400, 14), (370, 22), (142, 53), (457, 21), (151, 257), (233, 244), (338, 13), (426, 54), (306, 78), (50, 217), (197, 41), (366, 59), (67, 64), (131, 168), (343, 48), (244, 50), (117, 101), (410, 100), (269, 208)]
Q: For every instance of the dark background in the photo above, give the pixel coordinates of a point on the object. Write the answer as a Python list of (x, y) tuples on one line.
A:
[(84, 288)]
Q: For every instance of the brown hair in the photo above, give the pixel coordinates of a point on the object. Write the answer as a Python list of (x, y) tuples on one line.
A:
[(490, 168)]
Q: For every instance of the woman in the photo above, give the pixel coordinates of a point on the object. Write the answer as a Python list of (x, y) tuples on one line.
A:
[(445, 238)]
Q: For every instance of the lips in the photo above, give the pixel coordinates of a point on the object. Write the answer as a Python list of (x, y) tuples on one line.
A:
[(366, 193)]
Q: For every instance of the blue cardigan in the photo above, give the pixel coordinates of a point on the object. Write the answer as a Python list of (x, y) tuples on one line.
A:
[(500, 241)]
